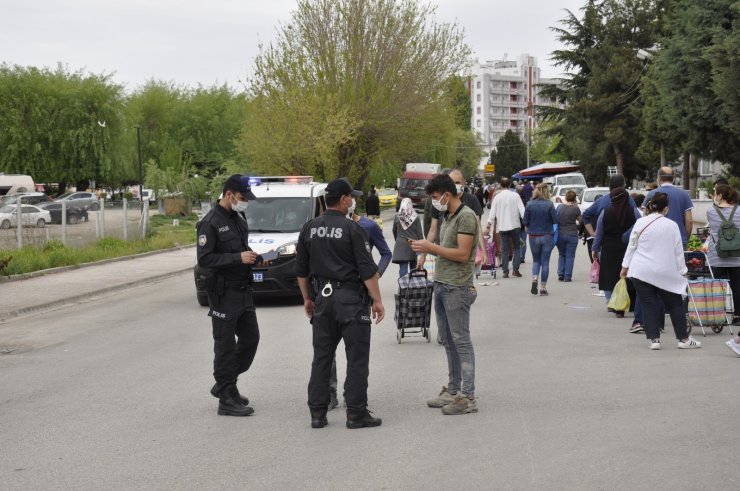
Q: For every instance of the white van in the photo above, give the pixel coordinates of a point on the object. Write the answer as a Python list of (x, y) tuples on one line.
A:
[(283, 205), (16, 183)]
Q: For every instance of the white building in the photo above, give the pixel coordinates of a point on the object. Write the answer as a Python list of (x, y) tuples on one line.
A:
[(504, 95)]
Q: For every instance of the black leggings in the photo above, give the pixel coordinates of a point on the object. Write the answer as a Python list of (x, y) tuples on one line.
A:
[(674, 305), (732, 274)]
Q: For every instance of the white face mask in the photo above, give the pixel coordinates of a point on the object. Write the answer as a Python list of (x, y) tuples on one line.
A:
[(439, 206), (351, 209), (240, 206), (459, 188)]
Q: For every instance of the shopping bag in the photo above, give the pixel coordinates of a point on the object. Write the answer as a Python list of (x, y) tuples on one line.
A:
[(620, 300), (708, 301), (480, 257), (595, 272)]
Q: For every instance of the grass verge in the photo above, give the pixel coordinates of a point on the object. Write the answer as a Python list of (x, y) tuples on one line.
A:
[(54, 254)]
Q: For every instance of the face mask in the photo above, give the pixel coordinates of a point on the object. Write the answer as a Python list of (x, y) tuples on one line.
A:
[(439, 206), (240, 206), (351, 209), (459, 188)]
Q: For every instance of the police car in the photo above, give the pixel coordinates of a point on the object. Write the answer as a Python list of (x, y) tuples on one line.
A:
[(284, 204)]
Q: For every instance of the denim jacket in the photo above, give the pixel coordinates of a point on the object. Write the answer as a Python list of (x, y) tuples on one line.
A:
[(540, 216)]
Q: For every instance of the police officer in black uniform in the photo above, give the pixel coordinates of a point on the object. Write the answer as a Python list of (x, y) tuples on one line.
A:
[(225, 256), (339, 284)]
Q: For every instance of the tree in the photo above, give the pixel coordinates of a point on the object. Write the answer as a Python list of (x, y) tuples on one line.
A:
[(510, 155), (349, 85), (62, 126)]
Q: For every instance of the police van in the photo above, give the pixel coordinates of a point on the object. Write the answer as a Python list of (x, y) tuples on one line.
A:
[(283, 205)]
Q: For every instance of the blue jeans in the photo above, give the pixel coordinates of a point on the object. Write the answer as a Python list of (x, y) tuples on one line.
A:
[(514, 235), (566, 255), (523, 240), (541, 248), (452, 309), (403, 268)]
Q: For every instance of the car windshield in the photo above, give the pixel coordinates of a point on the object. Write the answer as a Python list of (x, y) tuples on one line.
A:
[(387, 192), (412, 183), (278, 214), (593, 195), (571, 180)]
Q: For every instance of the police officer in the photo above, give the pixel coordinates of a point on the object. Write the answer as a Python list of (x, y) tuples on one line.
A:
[(339, 283), (224, 252)]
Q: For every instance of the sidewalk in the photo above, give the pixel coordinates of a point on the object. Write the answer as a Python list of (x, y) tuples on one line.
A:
[(67, 286)]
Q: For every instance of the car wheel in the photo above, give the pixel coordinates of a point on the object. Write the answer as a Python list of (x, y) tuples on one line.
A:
[(41, 223), (95, 206), (5, 224), (72, 220), (202, 298)]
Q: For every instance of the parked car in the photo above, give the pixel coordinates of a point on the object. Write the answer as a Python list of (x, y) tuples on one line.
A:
[(81, 199), (27, 199), (387, 197), (590, 195), (32, 215), (74, 214)]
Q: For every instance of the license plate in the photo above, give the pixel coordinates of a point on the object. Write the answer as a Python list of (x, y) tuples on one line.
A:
[(258, 277)]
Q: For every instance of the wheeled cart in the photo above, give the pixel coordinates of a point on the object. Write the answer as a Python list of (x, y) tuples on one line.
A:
[(414, 305), (490, 263), (709, 297)]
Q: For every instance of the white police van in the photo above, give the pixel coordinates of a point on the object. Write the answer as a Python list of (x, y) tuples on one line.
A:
[(283, 205)]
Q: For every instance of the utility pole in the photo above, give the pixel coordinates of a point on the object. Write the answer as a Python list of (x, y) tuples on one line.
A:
[(141, 171)]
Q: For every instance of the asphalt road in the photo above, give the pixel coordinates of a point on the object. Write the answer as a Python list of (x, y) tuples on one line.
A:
[(116, 396)]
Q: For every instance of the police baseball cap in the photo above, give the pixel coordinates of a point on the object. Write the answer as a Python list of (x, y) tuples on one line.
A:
[(239, 184), (341, 187)]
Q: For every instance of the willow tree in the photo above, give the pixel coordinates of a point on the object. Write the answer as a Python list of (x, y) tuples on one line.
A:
[(350, 84)]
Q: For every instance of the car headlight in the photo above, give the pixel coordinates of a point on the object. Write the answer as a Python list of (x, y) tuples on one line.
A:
[(288, 249)]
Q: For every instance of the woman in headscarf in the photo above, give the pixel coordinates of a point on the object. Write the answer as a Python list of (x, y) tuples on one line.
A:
[(608, 247), (406, 226)]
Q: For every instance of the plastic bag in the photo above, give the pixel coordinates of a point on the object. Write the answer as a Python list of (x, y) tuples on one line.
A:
[(480, 256), (620, 300), (595, 272)]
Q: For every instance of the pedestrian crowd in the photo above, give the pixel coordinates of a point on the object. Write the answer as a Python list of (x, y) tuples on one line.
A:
[(636, 245)]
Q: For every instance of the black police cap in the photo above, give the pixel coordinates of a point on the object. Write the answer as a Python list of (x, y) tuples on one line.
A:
[(341, 187), (239, 184)]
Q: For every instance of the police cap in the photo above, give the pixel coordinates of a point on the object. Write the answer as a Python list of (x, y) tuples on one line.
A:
[(239, 184), (341, 187)]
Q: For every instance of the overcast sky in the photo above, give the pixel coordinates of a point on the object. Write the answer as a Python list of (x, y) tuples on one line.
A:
[(194, 42)]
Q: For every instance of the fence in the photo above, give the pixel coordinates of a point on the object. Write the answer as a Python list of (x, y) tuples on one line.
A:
[(120, 219)]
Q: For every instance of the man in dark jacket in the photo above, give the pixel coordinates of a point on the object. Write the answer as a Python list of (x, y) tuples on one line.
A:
[(372, 204)]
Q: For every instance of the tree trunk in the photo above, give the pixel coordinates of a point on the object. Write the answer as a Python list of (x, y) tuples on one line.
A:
[(693, 181), (662, 155), (686, 170), (620, 159)]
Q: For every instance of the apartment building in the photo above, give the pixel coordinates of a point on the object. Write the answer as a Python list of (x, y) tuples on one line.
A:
[(504, 94)]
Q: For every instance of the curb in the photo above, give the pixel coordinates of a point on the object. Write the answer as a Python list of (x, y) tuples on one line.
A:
[(6, 316), (62, 269)]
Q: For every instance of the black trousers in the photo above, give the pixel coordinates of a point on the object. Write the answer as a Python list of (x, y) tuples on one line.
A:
[(674, 305), (732, 274), (342, 316), (235, 337)]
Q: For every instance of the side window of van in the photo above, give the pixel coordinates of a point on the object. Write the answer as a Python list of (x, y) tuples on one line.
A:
[(320, 206)]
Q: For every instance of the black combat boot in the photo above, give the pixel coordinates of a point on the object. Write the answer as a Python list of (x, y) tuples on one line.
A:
[(361, 419), (215, 390), (318, 418), (230, 404)]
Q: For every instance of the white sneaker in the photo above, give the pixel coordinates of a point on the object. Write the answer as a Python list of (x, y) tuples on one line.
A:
[(690, 343), (655, 344), (733, 346)]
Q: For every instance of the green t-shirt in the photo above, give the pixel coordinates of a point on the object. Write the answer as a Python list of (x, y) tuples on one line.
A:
[(465, 222)]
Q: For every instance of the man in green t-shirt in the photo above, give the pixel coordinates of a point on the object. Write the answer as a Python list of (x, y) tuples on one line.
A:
[(454, 293)]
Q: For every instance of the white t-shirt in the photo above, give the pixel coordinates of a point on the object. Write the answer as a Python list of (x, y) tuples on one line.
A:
[(508, 210), (655, 254)]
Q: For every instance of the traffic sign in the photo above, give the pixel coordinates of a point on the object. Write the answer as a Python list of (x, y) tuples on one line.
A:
[(490, 168)]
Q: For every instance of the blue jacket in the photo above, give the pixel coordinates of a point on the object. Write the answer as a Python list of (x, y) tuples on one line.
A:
[(376, 239), (540, 216)]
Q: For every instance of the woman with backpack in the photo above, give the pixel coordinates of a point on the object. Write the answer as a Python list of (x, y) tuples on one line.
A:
[(726, 263)]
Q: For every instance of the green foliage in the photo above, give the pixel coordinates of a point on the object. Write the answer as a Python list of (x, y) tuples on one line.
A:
[(54, 254), (510, 155), (51, 122), (350, 85)]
